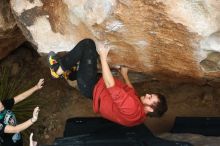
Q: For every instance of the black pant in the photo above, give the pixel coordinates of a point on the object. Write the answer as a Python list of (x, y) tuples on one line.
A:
[(85, 53)]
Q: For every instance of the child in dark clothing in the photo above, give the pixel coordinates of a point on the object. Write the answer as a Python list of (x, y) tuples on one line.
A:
[(9, 128)]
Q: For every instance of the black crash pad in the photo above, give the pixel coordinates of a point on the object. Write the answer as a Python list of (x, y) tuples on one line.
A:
[(207, 126), (101, 132)]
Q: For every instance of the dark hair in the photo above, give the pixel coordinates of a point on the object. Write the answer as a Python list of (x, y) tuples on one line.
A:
[(159, 108)]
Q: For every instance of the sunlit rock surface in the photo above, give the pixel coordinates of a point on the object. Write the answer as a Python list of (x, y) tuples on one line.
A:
[(168, 38), (10, 35)]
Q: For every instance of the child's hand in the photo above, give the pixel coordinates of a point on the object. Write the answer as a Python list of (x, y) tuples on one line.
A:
[(40, 84), (32, 143), (35, 114)]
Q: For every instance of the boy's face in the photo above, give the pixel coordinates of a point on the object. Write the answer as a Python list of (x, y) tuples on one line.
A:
[(149, 99)]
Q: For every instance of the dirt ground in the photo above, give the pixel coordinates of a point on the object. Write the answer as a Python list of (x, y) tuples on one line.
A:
[(58, 101)]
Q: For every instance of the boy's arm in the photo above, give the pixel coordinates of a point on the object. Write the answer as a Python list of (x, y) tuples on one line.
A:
[(27, 93), (107, 75), (124, 73)]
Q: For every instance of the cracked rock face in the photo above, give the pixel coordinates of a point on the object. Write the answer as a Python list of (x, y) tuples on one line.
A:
[(168, 38), (10, 35)]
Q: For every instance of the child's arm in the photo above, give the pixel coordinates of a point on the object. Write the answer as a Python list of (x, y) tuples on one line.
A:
[(27, 93)]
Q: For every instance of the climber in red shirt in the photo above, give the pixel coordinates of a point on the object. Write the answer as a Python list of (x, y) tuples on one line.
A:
[(113, 99)]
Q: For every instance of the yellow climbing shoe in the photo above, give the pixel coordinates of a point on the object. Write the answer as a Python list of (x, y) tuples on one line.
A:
[(53, 64)]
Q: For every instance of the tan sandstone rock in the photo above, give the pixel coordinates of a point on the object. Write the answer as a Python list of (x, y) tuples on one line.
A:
[(170, 39)]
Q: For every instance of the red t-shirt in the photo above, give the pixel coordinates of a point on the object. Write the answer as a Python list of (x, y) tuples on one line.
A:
[(119, 103)]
